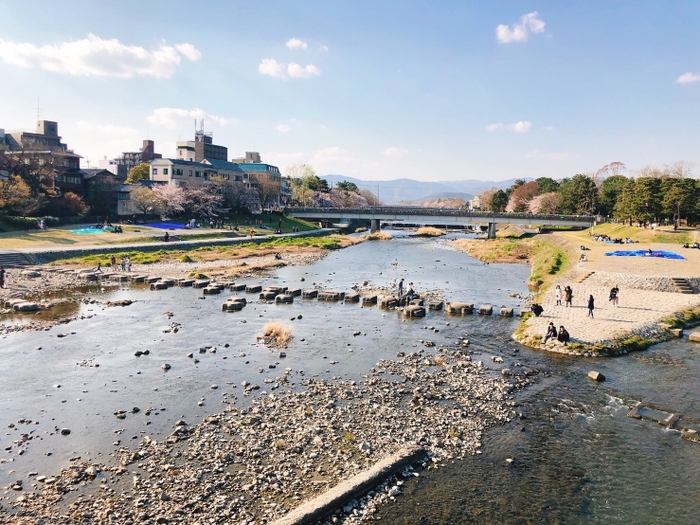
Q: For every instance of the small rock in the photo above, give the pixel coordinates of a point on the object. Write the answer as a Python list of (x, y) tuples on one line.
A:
[(596, 376)]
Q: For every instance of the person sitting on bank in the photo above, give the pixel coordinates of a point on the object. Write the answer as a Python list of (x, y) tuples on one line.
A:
[(551, 333), (563, 335), (536, 309)]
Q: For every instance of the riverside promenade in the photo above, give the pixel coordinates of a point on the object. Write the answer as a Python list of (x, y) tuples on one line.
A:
[(647, 296)]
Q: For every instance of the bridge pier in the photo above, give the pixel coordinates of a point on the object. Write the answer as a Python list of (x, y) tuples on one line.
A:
[(375, 225), (492, 230)]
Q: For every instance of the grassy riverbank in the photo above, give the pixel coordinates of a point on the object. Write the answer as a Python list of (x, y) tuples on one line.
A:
[(213, 253), (547, 256)]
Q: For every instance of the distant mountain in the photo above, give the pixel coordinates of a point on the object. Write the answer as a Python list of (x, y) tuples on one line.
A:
[(409, 190), (439, 196)]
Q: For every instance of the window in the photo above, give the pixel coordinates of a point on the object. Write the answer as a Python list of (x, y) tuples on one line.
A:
[(165, 171), (190, 173), (197, 173), (155, 171)]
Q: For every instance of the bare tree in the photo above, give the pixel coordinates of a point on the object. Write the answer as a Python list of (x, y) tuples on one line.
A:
[(146, 200), (681, 169)]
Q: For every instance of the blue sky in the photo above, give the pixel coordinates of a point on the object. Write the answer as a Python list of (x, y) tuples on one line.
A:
[(373, 90)]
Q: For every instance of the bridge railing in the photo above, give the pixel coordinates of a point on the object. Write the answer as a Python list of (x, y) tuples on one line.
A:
[(437, 212)]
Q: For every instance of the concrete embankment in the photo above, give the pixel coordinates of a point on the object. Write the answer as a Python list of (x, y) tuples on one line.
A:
[(323, 505)]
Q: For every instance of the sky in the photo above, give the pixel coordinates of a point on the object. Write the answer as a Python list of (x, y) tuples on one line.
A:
[(376, 90)]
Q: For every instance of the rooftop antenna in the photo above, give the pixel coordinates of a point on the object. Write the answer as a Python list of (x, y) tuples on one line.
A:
[(38, 110), (88, 162)]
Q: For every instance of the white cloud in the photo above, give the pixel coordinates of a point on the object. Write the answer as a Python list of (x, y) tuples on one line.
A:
[(170, 117), (94, 56), (282, 128), (522, 126), (393, 151), (538, 154), (270, 66), (189, 51), (323, 48), (687, 78), (548, 128), (334, 154), (109, 128), (529, 23), (295, 43)]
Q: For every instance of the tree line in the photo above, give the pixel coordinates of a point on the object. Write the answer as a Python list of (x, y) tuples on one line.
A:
[(667, 194)]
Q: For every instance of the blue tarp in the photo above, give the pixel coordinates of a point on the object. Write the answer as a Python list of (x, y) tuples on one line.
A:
[(645, 253), (165, 225)]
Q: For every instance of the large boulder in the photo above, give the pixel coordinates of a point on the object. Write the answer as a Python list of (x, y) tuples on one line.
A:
[(695, 337), (596, 376)]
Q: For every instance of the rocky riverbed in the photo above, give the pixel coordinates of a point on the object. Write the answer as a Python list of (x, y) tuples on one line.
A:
[(254, 463)]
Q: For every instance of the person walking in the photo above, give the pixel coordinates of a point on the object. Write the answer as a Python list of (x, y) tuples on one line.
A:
[(557, 292), (99, 267), (614, 295), (591, 305), (568, 295)]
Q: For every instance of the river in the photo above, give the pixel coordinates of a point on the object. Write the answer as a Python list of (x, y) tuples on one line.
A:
[(574, 457)]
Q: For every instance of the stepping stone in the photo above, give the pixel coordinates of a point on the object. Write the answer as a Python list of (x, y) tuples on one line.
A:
[(268, 295), (485, 309), (138, 278), (25, 306), (237, 287), (331, 295), (369, 299), (185, 282), (294, 292), (201, 283), (151, 280), (159, 285), (352, 297), (211, 290), (253, 288), (458, 308), (506, 312), (309, 294), (414, 310), (284, 299), (695, 337), (435, 305), (388, 301)]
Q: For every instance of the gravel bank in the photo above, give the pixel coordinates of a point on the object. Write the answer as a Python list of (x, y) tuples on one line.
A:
[(253, 464)]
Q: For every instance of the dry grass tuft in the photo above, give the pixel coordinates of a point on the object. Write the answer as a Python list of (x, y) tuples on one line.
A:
[(429, 231), (279, 334), (439, 361), (380, 236)]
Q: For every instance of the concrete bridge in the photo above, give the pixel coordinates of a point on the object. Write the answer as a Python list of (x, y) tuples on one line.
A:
[(415, 214)]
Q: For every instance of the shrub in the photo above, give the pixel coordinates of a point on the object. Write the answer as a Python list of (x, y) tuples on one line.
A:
[(428, 231), (31, 222), (279, 333)]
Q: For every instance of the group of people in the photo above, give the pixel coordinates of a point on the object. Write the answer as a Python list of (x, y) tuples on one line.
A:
[(562, 335), (568, 295), (405, 296), (617, 240), (125, 263)]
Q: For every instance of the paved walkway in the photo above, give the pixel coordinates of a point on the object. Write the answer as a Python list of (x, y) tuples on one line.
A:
[(637, 310)]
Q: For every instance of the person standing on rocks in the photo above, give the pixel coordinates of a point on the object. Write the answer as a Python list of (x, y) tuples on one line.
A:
[(401, 288), (614, 295), (113, 262), (591, 305), (557, 292), (2, 277), (568, 295), (123, 263), (128, 264)]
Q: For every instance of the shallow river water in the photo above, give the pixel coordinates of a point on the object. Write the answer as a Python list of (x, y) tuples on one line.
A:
[(576, 456)]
